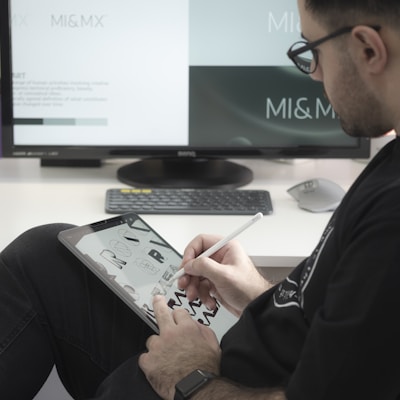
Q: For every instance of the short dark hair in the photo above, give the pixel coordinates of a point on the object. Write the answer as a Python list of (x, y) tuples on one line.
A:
[(351, 12)]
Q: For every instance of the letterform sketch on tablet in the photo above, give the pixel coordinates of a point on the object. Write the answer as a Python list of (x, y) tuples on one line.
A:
[(133, 256)]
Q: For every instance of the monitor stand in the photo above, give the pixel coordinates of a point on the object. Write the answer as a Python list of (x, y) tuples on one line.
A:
[(185, 173)]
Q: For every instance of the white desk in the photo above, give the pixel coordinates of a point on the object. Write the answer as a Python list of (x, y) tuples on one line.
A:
[(31, 195)]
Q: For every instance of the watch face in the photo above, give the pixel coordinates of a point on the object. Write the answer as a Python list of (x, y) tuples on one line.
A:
[(191, 384)]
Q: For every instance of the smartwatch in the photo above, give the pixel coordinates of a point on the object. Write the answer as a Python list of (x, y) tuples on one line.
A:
[(191, 383)]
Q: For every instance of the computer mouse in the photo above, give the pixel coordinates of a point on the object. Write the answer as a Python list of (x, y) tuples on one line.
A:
[(317, 195)]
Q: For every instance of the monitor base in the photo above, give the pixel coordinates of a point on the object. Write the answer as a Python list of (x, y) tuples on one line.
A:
[(185, 173)]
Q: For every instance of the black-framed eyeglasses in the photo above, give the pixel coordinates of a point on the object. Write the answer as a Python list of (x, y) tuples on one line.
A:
[(304, 55)]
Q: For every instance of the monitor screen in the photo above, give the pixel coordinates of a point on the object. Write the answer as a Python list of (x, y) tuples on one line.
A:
[(182, 84)]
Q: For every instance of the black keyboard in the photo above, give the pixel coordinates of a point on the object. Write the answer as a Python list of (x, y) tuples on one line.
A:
[(188, 201)]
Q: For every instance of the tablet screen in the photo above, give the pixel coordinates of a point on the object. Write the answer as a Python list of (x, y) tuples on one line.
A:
[(137, 263)]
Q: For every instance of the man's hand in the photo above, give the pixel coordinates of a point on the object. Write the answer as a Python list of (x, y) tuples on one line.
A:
[(182, 346), (228, 276)]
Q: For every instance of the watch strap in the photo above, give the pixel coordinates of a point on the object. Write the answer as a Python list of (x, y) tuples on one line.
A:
[(191, 383)]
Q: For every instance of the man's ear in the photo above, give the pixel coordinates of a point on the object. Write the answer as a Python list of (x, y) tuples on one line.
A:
[(368, 49)]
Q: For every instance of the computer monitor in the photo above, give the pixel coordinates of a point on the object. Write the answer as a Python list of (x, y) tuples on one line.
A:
[(185, 86)]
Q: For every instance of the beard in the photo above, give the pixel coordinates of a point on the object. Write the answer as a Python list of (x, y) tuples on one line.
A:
[(360, 112)]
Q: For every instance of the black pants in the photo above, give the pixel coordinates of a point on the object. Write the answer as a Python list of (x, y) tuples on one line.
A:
[(54, 311)]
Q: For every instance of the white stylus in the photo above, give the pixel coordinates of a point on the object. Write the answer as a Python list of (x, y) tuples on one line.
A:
[(213, 249)]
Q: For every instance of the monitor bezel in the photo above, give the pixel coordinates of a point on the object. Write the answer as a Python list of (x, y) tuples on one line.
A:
[(54, 152)]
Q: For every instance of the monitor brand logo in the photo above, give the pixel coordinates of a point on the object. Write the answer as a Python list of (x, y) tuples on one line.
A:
[(185, 153), (288, 22), (74, 21), (302, 108)]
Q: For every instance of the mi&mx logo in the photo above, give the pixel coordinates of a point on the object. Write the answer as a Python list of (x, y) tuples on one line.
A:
[(20, 20), (287, 22), (302, 108), (81, 21)]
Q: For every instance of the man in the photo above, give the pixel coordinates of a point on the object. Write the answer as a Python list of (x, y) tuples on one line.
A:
[(329, 331)]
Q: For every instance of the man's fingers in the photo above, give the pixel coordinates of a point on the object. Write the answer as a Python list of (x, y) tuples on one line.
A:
[(164, 316), (162, 312)]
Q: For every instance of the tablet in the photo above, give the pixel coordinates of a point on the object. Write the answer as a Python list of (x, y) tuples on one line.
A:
[(134, 261)]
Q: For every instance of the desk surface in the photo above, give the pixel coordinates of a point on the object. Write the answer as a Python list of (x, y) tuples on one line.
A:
[(31, 195)]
